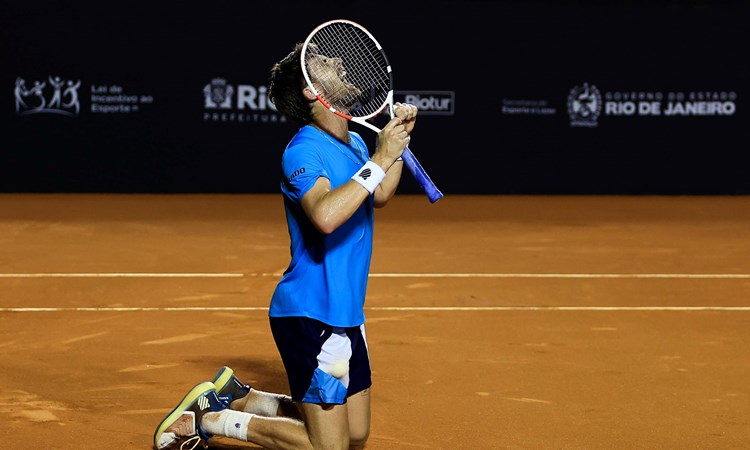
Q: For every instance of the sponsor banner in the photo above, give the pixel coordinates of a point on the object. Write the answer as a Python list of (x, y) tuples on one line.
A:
[(586, 104), (111, 109), (114, 99), (430, 103), (527, 107), (56, 95), (225, 102)]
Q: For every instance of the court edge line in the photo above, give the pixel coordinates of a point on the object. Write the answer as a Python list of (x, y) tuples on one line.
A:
[(549, 275), (122, 275), (393, 308), (392, 275)]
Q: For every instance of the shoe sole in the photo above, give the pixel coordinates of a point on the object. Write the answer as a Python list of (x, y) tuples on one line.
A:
[(222, 378), (188, 401)]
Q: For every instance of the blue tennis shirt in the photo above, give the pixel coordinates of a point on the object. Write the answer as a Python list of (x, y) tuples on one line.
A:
[(327, 277)]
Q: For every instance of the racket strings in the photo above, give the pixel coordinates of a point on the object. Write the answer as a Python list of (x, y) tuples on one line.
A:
[(350, 69)]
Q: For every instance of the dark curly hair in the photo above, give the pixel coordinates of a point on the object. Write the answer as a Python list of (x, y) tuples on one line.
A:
[(285, 88)]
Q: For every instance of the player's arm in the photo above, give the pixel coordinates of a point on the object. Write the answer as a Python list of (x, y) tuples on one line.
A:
[(329, 208), (407, 115), (387, 187)]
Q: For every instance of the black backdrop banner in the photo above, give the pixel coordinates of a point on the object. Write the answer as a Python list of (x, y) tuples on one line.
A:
[(515, 97)]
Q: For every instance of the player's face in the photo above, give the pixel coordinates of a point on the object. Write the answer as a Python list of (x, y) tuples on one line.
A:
[(330, 75)]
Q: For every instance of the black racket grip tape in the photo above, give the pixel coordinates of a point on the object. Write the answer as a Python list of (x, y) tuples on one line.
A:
[(433, 193)]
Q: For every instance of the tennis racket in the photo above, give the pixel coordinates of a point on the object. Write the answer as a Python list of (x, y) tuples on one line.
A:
[(347, 70)]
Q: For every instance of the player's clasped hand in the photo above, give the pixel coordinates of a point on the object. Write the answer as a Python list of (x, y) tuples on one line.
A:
[(392, 140), (394, 137), (407, 113)]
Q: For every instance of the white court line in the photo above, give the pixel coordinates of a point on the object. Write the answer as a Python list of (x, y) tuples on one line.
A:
[(560, 275), (543, 275), (398, 308), (561, 308), (139, 309), (391, 275), (121, 275)]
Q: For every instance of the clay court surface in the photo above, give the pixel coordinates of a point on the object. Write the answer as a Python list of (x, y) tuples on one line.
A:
[(494, 322)]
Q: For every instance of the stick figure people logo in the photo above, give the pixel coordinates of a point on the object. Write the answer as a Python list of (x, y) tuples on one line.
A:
[(58, 97)]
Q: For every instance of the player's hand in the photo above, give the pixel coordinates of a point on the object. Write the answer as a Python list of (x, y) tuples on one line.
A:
[(407, 113), (392, 140)]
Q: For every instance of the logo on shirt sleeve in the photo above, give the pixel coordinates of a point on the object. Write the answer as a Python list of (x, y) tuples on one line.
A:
[(297, 172)]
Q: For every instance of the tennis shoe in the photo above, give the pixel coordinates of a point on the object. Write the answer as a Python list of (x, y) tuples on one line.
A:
[(181, 428), (228, 387)]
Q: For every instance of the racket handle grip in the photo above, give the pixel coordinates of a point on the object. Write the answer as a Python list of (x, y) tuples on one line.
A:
[(433, 193)]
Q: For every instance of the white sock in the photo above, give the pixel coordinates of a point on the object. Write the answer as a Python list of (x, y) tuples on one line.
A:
[(228, 423), (264, 404)]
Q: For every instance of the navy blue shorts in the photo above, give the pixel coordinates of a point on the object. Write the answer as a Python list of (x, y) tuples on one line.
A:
[(324, 364)]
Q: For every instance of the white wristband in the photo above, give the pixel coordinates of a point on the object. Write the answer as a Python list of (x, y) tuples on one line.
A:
[(369, 176)]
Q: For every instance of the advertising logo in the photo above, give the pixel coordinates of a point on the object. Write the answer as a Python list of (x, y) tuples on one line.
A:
[(430, 103), (58, 97), (250, 104), (691, 103), (114, 99), (218, 94), (584, 106), (527, 107)]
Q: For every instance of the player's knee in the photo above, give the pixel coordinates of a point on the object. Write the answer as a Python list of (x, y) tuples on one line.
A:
[(331, 440), (339, 444), (358, 438)]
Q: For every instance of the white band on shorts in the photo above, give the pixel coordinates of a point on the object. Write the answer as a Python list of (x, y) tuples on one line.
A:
[(369, 176)]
